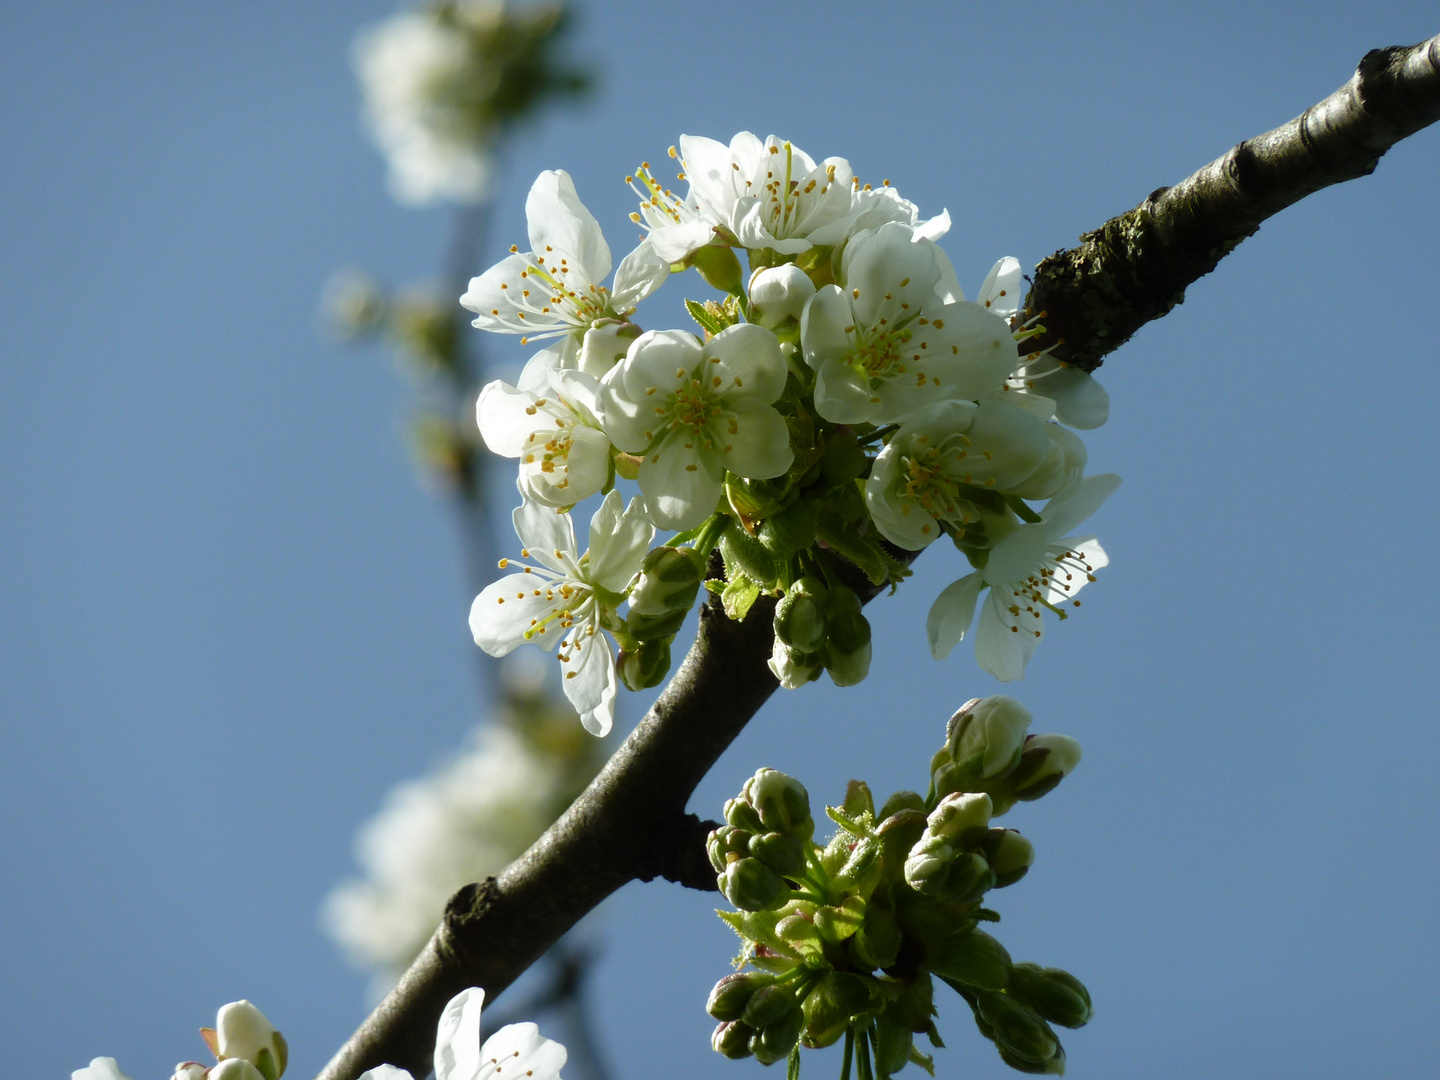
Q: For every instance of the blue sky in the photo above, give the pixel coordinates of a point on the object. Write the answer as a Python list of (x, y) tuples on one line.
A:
[(232, 618)]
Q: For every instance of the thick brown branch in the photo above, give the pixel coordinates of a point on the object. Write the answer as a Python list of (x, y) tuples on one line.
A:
[(630, 823), (1136, 267)]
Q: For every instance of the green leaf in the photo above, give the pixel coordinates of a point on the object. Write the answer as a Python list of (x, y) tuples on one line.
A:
[(739, 596), (708, 322)]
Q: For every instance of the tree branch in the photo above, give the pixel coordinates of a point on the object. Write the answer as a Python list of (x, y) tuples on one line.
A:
[(1136, 267), (631, 822)]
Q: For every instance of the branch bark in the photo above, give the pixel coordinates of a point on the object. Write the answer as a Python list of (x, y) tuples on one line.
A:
[(1136, 267), (631, 823)]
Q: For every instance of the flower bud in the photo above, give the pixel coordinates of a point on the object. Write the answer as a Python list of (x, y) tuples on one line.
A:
[(726, 844), (669, 580), (901, 800), (719, 267), (731, 994), (605, 345), (776, 1040), (647, 665), (189, 1070), (829, 1007), (972, 957), (800, 615), (847, 647), (1045, 760), (732, 1038), (782, 852), (960, 818), (928, 864), (751, 885), (1056, 995), (793, 668), (236, 1069), (743, 552), (1009, 854), (778, 293), (898, 833), (769, 1005), (1053, 1066), (781, 801), (1017, 1027), (241, 1031), (985, 737)]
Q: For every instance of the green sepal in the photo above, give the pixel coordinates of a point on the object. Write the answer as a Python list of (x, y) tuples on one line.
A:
[(739, 596), (838, 922)]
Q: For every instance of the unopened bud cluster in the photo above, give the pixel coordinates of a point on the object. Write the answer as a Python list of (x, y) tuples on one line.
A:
[(820, 629), (843, 940)]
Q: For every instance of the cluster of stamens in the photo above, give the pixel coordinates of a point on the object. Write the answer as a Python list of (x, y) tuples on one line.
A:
[(542, 291)]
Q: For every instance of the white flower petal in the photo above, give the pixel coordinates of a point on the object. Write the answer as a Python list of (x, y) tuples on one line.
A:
[(100, 1068), (1001, 292), (843, 396), (506, 417), (750, 363), (951, 614), (1080, 400), (385, 1072), (662, 359), (681, 485), (535, 375), (1074, 506), (760, 446), (618, 541), (548, 537), (675, 243), (590, 685), (1004, 641), (822, 326), (457, 1038), (562, 228), (506, 609), (639, 274), (523, 1054)]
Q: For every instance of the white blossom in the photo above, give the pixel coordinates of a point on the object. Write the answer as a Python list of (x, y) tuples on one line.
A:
[(100, 1068), (405, 65), (779, 292), (467, 821), (1030, 570), (565, 601), (556, 288), (189, 1070), (516, 1050), (695, 412), (882, 344), (919, 479), (550, 423)]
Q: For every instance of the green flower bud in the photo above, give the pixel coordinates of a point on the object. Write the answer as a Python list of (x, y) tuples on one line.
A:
[(782, 852), (1045, 760), (800, 615), (726, 844), (985, 737), (669, 581), (898, 834), (841, 600), (847, 647), (791, 530), (781, 801), (836, 998), (844, 461), (892, 1045), (731, 994), (1009, 854), (751, 885), (769, 1005), (719, 267), (902, 800), (793, 668), (972, 957), (837, 922), (742, 815), (1017, 1027), (859, 802), (960, 818), (778, 1039), (1056, 995), (648, 665), (1053, 1066), (732, 1038)]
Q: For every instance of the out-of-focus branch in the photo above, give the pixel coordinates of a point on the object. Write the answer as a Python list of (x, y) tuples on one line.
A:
[(1137, 266)]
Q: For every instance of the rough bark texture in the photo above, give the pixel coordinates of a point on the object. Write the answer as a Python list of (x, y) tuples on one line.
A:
[(1137, 266), (631, 823)]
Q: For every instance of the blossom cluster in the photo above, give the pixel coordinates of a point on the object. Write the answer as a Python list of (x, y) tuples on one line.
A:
[(845, 939), (842, 407), (248, 1047)]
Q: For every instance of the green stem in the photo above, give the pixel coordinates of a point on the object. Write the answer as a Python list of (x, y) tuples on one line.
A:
[(849, 1053), (709, 534), (862, 1057)]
